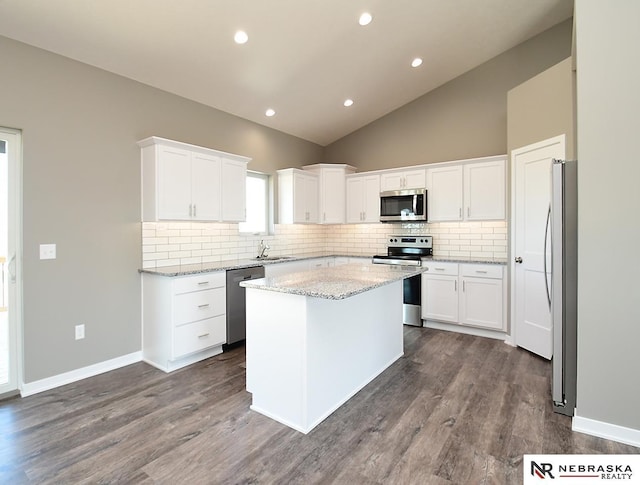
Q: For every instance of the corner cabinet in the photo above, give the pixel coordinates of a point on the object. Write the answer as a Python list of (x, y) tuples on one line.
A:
[(470, 295), (183, 182), (297, 196), (184, 318), (331, 190), (470, 191), (363, 199)]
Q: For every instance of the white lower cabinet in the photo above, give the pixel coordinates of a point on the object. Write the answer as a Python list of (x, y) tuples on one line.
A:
[(184, 318), (481, 299), (440, 292), (465, 294)]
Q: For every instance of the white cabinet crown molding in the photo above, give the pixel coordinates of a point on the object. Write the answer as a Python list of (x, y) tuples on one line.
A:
[(156, 140)]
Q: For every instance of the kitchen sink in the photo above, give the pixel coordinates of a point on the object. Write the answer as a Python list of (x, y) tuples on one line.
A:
[(272, 258)]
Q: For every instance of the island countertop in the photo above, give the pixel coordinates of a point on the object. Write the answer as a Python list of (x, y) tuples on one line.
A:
[(335, 283)]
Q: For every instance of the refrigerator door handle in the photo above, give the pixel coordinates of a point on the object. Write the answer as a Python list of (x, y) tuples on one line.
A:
[(544, 262)]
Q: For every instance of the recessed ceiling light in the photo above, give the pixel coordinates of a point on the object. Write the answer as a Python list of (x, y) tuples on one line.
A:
[(241, 37), (416, 62), (269, 112), (365, 19), (348, 102)]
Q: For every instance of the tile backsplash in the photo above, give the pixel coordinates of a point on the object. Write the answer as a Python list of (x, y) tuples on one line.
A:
[(174, 243)]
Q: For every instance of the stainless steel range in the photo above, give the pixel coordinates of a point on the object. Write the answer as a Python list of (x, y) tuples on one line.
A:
[(409, 250)]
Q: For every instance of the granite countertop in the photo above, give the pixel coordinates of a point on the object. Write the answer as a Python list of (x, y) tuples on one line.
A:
[(337, 282), (469, 259), (191, 269)]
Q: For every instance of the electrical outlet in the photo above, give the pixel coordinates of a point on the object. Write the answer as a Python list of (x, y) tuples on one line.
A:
[(79, 332), (47, 251)]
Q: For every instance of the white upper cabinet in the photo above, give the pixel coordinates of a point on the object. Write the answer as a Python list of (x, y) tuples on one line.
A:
[(298, 196), (363, 199), (187, 182), (405, 179), (474, 190), (485, 190), (332, 191), (444, 193), (205, 187), (173, 182)]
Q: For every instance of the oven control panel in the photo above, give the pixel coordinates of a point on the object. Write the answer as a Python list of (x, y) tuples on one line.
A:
[(411, 241)]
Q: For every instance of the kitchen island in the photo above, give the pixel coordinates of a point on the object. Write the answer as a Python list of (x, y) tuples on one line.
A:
[(315, 338)]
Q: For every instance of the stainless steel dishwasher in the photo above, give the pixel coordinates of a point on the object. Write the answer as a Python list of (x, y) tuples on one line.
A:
[(236, 301)]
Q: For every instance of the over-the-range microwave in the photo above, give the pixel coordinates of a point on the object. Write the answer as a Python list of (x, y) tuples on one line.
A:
[(403, 205)]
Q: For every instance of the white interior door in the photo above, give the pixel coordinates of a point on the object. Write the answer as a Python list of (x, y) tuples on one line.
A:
[(531, 195), (10, 258)]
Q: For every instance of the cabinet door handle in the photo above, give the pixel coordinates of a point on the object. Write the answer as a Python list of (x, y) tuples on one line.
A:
[(203, 283), (364, 216), (455, 285), (205, 305), (460, 213), (464, 287), (481, 271), (439, 269), (203, 335), (194, 210), (468, 211)]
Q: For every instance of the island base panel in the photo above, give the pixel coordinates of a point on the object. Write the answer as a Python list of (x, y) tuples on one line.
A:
[(307, 356)]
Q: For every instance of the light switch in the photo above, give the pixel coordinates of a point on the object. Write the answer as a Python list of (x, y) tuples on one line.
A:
[(47, 251)]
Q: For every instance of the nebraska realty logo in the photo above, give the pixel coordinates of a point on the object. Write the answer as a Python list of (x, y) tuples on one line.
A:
[(581, 468)]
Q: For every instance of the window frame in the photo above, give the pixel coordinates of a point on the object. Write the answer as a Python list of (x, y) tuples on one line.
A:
[(268, 204)]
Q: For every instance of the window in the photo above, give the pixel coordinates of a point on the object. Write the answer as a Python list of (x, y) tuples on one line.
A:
[(257, 204)]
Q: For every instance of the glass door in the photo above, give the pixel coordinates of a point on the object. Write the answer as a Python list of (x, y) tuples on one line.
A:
[(10, 232)]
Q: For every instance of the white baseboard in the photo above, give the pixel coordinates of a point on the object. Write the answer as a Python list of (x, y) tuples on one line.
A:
[(628, 436), (478, 332), (79, 374)]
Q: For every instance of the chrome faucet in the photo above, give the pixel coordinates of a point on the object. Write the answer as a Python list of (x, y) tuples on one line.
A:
[(262, 249)]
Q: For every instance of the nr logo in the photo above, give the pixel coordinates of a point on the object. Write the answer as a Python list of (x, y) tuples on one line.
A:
[(542, 470)]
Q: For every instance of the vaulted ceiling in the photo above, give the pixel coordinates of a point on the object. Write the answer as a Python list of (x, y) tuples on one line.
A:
[(303, 58)]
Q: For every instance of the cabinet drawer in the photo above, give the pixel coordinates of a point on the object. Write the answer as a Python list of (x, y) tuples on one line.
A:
[(199, 335), (441, 268), (198, 305), (481, 270), (199, 282)]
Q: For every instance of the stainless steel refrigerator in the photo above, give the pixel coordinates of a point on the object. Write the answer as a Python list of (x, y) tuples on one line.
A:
[(562, 289)]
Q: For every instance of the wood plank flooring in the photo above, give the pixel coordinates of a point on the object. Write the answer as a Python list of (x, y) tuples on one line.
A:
[(455, 409)]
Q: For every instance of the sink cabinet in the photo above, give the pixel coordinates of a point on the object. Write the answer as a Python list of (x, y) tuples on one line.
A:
[(184, 318)]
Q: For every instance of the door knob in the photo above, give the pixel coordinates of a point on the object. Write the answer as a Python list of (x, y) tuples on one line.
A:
[(519, 260)]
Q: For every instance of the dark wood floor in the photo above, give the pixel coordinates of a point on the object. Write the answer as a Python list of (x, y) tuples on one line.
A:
[(455, 409)]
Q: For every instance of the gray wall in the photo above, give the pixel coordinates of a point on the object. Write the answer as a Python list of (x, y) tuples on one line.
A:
[(464, 118), (82, 191), (543, 107), (608, 76)]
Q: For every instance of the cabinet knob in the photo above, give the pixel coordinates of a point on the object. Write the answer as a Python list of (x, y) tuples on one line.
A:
[(518, 260)]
